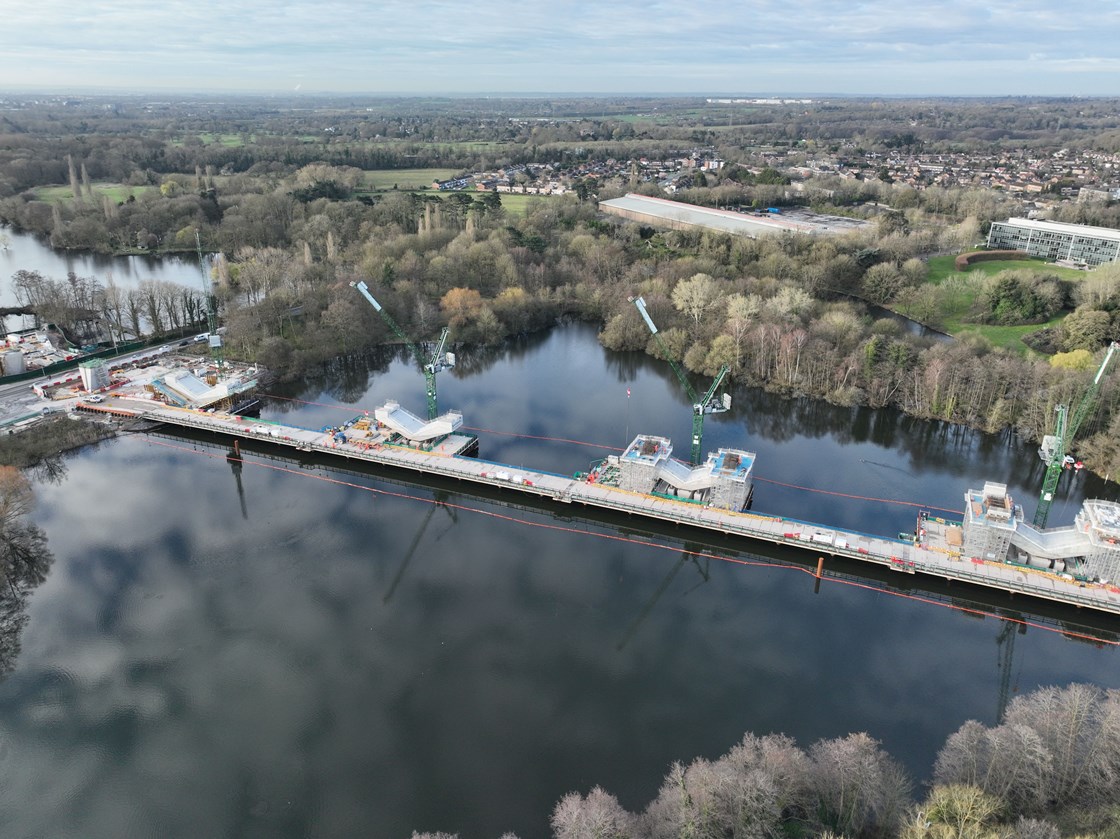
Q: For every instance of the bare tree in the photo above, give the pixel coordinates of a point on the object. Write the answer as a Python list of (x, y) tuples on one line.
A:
[(134, 306), (1079, 726), (152, 304), (260, 271), (1009, 762), (169, 295), (86, 185), (955, 812), (859, 789), (598, 816), (745, 794), (24, 558), (742, 312), (113, 307), (674, 812), (1034, 829), (75, 187), (16, 499)]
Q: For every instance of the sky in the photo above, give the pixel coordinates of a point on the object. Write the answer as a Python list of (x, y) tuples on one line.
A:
[(705, 47)]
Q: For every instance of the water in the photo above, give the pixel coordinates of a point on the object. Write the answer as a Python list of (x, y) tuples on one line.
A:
[(330, 654), (29, 253), (908, 325)]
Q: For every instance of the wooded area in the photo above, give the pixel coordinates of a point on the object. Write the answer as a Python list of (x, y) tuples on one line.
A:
[(281, 201)]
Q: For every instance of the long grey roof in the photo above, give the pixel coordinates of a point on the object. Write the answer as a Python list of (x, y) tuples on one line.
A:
[(725, 220)]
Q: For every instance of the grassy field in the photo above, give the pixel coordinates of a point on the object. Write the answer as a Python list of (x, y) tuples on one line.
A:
[(1008, 337), (516, 204), (230, 141), (379, 180), (941, 268), (116, 192)]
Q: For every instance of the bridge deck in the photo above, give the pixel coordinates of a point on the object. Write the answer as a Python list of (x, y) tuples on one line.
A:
[(820, 539)]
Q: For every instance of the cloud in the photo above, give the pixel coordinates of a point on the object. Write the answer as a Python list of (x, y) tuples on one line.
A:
[(436, 46)]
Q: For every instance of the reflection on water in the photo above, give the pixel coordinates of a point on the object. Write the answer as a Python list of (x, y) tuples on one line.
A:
[(248, 649), (26, 252)]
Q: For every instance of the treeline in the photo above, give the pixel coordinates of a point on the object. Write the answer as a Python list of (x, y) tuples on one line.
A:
[(1047, 771), (25, 560), (135, 140), (86, 310), (783, 312)]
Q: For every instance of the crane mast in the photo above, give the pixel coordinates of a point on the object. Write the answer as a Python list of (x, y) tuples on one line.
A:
[(439, 360), (709, 403), (1054, 447)]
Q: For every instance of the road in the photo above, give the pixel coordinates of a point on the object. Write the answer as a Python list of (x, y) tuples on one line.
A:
[(20, 405)]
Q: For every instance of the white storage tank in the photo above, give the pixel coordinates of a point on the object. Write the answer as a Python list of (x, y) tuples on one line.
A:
[(13, 363)]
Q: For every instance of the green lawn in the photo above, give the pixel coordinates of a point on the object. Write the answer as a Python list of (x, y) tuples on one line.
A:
[(230, 141), (116, 192), (379, 180), (942, 268), (1008, 337), (516, 204)]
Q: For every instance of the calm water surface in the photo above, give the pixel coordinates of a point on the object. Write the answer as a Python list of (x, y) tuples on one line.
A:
[(314, 657), (27, 252)]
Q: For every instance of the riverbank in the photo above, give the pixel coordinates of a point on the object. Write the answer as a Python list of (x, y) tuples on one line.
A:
[(50, 437)]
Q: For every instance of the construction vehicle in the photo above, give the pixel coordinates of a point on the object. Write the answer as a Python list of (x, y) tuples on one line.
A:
[(1055, 447), (709, 403), (439, 359)]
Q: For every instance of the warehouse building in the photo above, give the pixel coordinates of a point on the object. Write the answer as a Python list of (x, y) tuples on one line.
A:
[(675, 215), (1055, 241)]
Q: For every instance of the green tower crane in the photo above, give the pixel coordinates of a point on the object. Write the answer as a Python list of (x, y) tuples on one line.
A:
[(214, 338), (437, 361), (709, 403), (1054, 446)]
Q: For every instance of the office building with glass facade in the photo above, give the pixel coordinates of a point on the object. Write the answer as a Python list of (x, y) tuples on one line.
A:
[(1056, 241)]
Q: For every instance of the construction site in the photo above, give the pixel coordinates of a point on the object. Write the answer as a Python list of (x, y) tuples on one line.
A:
[(991, 546)]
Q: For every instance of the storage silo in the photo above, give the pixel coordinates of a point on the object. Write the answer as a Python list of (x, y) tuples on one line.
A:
[(13, 363)]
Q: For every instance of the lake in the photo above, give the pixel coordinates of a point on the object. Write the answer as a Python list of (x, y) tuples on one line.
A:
[(27, 252), (276, 649)]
